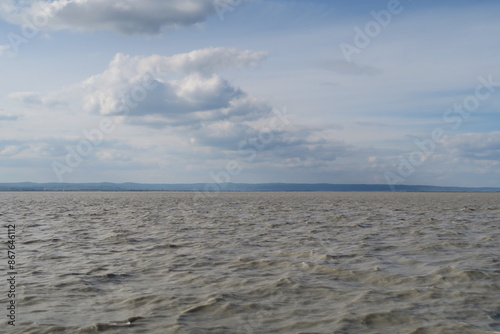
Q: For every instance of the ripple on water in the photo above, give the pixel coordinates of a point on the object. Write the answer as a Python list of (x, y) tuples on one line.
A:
[(257, 262)]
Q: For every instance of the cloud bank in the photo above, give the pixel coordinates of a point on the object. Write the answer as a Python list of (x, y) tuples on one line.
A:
[(186, 97)]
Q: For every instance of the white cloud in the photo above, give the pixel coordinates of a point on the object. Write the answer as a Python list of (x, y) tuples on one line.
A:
[(125, 16), (180, 89)]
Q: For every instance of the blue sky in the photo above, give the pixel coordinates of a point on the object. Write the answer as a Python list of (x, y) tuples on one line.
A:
[(181, 91)]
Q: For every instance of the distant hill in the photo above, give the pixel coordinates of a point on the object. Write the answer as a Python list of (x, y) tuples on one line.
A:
[(29, 186)]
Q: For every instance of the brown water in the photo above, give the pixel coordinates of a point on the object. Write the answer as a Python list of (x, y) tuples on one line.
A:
[(254, 262)]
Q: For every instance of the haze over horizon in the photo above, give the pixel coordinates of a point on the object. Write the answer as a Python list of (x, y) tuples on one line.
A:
[(293, 91)]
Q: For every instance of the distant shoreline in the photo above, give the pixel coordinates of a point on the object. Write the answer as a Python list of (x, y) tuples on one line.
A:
[(234, 187)]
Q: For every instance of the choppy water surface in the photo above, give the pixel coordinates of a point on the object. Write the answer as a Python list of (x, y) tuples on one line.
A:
[(255, 262)]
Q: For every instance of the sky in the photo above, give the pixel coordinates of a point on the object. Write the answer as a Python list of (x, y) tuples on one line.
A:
[(256, 91)]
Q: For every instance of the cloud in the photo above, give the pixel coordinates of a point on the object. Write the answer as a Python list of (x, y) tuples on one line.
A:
[(7, 118), (289, 146), (345, 68), (37, 99), (475, 146), (28, 98), (126, 16), (185, 97), (180, 89), (10, 148)]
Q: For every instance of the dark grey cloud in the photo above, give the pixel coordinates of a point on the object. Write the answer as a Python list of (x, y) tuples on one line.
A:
[(193, 94), (125, 16), (288, 147)]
